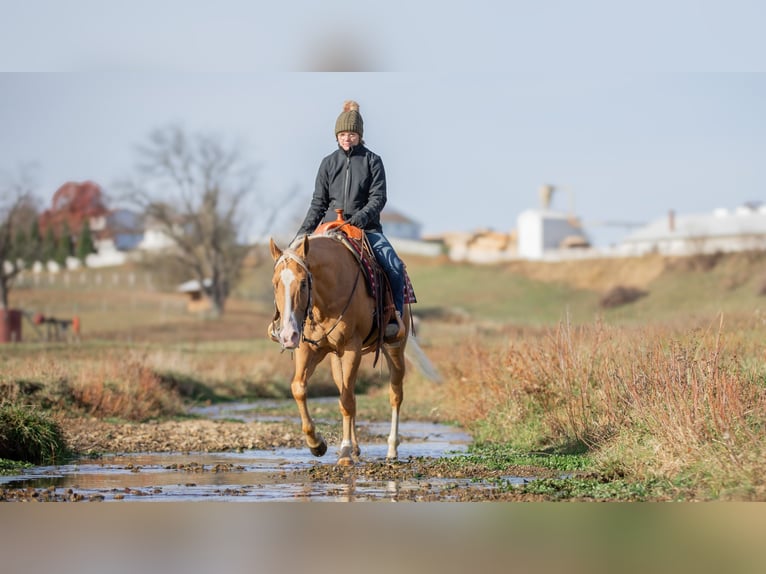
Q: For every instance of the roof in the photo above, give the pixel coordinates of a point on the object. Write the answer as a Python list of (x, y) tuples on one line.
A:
[(744, 221), (390, 215), (192, 286)]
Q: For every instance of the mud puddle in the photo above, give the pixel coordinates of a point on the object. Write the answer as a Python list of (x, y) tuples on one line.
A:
[(282, 474)]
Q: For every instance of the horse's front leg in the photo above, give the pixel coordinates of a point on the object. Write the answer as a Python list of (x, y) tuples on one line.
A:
[(344, 371), (306, 362)]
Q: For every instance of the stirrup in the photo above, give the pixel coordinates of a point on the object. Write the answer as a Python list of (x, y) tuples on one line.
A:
[(394, 331)]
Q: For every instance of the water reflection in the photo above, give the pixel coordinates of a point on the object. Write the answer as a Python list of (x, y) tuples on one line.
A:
[(255, 475)]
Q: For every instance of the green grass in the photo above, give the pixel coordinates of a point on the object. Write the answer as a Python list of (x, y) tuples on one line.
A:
[(502, 456), (489, 292), (30, 435), (10, 467), (732, 286), (596, 489)]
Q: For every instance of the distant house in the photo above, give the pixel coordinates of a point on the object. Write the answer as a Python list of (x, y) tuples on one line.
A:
[(156, 236), (405, 234), (126, 228), (741, 229), (75, 205), (397, 225)]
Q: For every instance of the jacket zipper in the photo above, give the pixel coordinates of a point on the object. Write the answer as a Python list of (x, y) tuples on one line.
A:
[(346, 185)]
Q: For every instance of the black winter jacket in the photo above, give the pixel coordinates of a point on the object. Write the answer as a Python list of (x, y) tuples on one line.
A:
[(354, 182)]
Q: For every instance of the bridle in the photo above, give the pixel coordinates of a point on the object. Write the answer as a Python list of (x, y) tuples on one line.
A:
[(290, 255)]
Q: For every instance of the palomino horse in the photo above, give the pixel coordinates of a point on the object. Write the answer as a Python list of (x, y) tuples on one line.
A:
[(325, 309)]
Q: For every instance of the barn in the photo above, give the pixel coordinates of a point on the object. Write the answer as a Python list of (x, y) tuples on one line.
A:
[(722, 230)]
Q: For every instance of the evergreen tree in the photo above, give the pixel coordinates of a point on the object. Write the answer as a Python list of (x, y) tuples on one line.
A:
[(35, 242), (20, 246), (85, 245), (48, 250), (64, 247)]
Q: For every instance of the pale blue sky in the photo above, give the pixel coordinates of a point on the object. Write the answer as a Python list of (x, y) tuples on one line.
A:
[(632, 114)]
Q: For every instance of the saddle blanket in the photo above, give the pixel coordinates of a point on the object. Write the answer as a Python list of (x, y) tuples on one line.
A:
[(366, 261)]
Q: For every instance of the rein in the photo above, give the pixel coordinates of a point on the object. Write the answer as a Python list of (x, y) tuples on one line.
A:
[(340, 317)]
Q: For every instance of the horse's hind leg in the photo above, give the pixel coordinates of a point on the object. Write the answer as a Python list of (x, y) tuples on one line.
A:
[(305, 363), (344, 371), (395, 359)]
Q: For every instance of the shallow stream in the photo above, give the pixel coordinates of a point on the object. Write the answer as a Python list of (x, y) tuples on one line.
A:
[(251, 475)]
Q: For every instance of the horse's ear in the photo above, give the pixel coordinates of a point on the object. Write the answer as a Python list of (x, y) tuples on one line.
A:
[(303, 247), (276, 252)]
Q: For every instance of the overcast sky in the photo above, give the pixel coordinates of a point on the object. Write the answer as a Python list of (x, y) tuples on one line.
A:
[(630, 115)]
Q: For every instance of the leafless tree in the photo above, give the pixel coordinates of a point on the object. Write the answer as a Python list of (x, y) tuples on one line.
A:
[(18, 212), (199, 192)]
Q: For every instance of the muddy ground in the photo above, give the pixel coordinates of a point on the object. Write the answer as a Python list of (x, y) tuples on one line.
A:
[(436, 479)]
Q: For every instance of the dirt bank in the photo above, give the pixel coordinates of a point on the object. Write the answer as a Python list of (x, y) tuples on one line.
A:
[(90, 435)]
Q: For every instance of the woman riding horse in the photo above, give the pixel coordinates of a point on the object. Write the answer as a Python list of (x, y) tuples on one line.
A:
[(352, 178)]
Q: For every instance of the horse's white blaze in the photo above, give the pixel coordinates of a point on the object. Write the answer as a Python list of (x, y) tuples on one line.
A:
[(289, 330), (287, 277)]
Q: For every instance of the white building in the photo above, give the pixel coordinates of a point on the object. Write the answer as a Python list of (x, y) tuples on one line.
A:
[(722, 230), (543, 230)]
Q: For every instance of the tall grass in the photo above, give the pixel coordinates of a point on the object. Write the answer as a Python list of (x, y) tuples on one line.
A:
[(101, 384), (30, 435), (646, 402)]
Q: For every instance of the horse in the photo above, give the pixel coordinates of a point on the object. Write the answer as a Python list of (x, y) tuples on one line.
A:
[(324, 308)]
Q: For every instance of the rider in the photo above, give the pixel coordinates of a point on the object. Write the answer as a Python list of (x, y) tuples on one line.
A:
[(352, 178)]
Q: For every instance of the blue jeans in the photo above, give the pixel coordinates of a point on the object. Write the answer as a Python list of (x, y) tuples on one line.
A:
[(391, 264)]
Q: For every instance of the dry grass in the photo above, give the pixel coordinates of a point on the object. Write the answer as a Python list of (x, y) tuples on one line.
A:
[(648, 402), (102, 384)]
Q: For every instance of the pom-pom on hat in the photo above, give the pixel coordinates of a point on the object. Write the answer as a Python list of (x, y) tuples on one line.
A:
[(350, 120)]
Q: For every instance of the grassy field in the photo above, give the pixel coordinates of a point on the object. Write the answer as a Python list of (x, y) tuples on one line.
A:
[(664, 395)]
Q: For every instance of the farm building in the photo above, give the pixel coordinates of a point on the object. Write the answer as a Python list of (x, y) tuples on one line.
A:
[(196, 300), (546, 233), (543, 231), (396, 224), (741, 229)]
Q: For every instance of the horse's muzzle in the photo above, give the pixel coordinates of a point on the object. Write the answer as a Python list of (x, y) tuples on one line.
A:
[(289, 334)]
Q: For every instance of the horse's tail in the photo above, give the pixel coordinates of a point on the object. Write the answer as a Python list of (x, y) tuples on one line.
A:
[(417, 357)]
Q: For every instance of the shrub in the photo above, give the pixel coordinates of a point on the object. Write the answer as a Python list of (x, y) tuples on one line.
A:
[(126, 389), (647, 403), (29, 435), (620, 295)]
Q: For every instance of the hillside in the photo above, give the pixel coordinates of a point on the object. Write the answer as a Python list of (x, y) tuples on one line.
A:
[(131, 304)]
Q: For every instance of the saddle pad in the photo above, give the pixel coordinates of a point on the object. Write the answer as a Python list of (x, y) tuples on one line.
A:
[(365, 260)]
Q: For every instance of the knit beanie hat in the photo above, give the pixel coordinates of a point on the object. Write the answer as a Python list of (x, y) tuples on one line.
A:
[(350, 120)]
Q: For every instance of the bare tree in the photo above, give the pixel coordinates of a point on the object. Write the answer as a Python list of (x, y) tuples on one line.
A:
[(199, 192), (18, 212)]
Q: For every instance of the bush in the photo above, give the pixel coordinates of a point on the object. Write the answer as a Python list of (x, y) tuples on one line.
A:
[(29, 435), (620, 295)]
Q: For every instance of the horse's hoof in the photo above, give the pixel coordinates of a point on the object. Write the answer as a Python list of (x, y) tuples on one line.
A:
[(319, 450), (346, 461)]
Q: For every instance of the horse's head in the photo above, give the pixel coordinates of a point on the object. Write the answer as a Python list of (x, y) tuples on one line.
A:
[(292, 291)]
